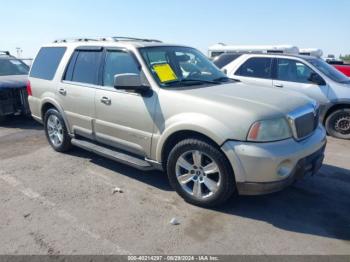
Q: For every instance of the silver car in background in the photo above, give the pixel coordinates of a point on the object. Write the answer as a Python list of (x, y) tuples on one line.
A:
[(306, 74)]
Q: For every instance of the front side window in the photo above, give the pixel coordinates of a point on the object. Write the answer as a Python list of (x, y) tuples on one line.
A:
[(293, 71), (118, 62), (259, 67), (84, 66), (181, 66), (13, 67), (46, 62), (329, 70)]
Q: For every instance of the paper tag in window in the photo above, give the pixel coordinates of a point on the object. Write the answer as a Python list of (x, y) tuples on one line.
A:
[(165, 73)]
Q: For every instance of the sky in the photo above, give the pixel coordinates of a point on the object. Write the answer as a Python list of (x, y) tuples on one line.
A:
[(321, 24)]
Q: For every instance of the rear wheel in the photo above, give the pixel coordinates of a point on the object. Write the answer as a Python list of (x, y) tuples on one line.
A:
[(200, 173), (56, 131), (338, 124)]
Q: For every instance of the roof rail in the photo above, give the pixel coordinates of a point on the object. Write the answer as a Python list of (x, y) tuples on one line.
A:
[(67, 40), (112, 39), (5, 53), (123, 38)]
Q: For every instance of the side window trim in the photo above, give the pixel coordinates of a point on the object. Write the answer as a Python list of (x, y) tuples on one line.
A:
[(73, 59), (274, 68), (104, 59)]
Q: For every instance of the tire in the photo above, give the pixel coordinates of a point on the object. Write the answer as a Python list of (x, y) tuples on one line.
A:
[(338, 124), (56, 131), (199, 175)]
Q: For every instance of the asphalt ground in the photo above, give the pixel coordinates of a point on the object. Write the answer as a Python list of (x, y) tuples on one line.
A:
[(53, 203)]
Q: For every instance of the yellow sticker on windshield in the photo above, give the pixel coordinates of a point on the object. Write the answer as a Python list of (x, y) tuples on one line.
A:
[(165, 73)]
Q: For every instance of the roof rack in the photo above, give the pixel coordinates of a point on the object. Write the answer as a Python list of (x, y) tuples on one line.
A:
[(112, 39), (311, 52), (222, 48)]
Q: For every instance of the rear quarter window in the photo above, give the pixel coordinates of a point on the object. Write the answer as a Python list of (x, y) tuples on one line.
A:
[(46, 62)]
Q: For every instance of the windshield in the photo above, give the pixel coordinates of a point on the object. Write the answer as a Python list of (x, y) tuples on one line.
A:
[(329, 70), (181, 66), (13, 67)]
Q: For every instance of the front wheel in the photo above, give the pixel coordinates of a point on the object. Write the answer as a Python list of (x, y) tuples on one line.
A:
[(200, 173), (338, 124), (56, 131)]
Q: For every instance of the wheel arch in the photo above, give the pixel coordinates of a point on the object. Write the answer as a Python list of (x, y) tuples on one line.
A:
[(336, 106), (50, 103)]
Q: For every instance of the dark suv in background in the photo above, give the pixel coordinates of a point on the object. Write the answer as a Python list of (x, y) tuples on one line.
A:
[(13, 82)]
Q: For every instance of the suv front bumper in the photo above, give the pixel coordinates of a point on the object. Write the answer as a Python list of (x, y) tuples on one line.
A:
[(262, 168)]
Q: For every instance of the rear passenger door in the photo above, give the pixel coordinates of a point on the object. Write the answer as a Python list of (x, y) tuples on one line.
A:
[(255, 71), (77, 90), (124, 119), (294, 75)]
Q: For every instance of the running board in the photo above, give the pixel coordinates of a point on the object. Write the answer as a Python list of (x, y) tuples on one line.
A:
[(113, 154)]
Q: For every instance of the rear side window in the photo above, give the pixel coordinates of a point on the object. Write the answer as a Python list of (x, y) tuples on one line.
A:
[(259, 67), (225, 59), (84, 67), (46, 62)]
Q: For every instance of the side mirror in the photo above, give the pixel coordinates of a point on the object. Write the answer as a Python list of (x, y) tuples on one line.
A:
[(129, 81), (224, 70), (317, 79)]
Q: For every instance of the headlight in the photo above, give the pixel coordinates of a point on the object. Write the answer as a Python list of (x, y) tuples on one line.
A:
[(269, 130)]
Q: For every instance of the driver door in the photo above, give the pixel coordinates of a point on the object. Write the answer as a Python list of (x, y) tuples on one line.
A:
[(124, 119), (293, 75)]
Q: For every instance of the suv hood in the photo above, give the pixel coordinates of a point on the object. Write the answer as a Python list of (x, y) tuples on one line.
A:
[(13, 81), (224, 111), (261, 100)]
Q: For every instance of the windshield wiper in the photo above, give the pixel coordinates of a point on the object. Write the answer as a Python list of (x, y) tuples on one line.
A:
[(225, 79), (193, 82)]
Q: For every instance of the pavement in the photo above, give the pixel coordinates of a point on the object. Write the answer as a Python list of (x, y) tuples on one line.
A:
[(53, 203)]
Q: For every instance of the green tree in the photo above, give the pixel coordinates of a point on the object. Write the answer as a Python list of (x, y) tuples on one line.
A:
[(345, 58)]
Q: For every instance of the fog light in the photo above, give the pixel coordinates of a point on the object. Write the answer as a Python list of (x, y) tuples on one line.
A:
[(284, 169)]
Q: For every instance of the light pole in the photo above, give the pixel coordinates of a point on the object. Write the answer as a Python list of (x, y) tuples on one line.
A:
[(19, 52)]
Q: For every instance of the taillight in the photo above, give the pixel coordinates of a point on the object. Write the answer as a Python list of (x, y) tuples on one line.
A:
[(29, 89)]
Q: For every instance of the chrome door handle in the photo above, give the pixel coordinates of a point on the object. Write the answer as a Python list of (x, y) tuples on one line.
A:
[(279, 85), (106, 100), (62, 91)]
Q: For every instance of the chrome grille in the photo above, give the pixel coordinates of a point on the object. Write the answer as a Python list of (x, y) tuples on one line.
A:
[(304, 122)]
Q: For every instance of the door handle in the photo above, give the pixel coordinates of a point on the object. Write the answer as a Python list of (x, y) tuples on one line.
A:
[(62, 91), (106, 100), (279, 85)]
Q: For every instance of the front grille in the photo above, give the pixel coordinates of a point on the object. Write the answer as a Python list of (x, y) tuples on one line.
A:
[(304, 122)]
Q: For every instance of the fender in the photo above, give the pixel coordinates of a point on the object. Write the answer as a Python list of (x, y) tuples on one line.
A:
[(59, 108), (325, 109), (196, 122)]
